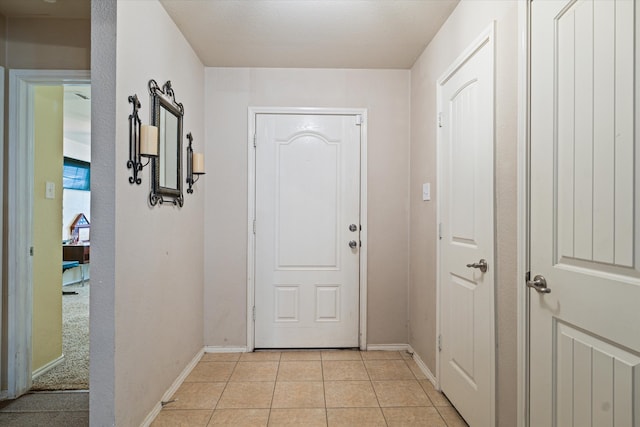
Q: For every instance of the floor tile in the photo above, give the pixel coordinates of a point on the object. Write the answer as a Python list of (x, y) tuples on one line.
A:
[(260, 356), (253, 395), (255, 371), (380, 355), (451, 416), (298, 417), (428, 417), (437, 398), (300, 355), (341, 370), (417, 372), (182, 418), (300, 370), (341, 355), (388, 370), (400, 393), (211, 372), (349, 394), (196, 396), (348, 417), (240, 417), (304, 394), (220, 357)]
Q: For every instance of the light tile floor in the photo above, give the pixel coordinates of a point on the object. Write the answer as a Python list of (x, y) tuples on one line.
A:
[(308, 388)]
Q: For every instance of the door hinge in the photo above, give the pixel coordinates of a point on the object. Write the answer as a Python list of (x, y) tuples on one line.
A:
[(254, 313), (439, 120), (439, 342), (255, 140), (31, 251), (254, 226), (358, 119), (440, 231)]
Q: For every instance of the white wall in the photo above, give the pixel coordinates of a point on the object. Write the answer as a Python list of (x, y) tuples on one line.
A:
[(467, 21), (146, 299), (229, 92)]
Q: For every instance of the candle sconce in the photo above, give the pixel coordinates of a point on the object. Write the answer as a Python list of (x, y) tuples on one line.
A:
[(195, 165), (143, 142)]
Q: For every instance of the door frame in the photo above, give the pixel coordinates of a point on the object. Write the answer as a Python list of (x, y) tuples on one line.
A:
[(251, 209), (19, 217), (486, 37), (523, 209)]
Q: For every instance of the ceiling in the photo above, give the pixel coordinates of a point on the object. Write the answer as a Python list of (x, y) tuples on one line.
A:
[(286, 33), (309, 33), (77, 113)]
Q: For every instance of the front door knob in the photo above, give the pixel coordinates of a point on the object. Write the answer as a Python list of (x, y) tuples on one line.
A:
[(353, 227), (353, 244)]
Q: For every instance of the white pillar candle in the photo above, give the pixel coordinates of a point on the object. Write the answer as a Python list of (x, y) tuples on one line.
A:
[(148, 140), (198, 163)]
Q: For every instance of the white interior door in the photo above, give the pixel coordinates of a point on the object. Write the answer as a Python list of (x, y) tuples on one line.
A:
[(585, 207), (467, 230), (307, 213)]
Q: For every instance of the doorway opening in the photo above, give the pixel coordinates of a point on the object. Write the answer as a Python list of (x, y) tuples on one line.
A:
[(35, 224)]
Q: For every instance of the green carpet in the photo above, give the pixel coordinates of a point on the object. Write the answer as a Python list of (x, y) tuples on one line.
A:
[(73, 372)]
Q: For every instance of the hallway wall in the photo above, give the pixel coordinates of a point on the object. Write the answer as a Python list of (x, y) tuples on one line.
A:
[(147, 274), (467, 21), (229, 92)]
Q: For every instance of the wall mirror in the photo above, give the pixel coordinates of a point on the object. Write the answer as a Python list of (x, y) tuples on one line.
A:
[(166, 169)]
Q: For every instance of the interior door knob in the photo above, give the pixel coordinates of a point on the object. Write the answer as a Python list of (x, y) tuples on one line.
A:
[(353, 244), (539, 283), (482, 265), (353, 227)]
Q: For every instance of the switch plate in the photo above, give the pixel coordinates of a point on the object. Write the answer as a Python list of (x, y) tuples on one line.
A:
[(50, 190), (426, 191)]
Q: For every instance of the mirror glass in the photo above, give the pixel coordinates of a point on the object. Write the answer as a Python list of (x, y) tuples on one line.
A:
[(166, 169), (168, 134)]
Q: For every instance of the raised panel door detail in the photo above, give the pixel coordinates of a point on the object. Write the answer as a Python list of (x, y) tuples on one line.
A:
[(308, 206), (462, 333), (596, 381), (327, 303), (462, 165), (595, 133), (286, 303)]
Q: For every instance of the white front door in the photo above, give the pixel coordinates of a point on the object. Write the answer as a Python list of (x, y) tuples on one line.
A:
[(467, 230), (307, 214), (585, 212)]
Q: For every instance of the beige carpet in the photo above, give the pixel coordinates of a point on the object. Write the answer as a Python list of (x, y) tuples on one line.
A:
[(73, 372)]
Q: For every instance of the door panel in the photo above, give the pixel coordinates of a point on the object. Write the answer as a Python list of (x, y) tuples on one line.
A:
[(307, 195), (585, 333), (466, 213)]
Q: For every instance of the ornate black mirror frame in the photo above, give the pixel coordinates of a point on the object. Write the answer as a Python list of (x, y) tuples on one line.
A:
[(164, 99)]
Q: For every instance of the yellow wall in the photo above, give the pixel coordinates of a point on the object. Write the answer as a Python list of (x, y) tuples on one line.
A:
[(47, 227)]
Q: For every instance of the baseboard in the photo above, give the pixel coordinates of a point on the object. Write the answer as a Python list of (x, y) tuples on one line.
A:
[(47, 367), (424, 368), (387, 347), (220, 349), (174, 387)]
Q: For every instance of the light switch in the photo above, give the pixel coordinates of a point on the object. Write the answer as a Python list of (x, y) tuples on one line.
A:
[(426, 191), (50, 190)]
